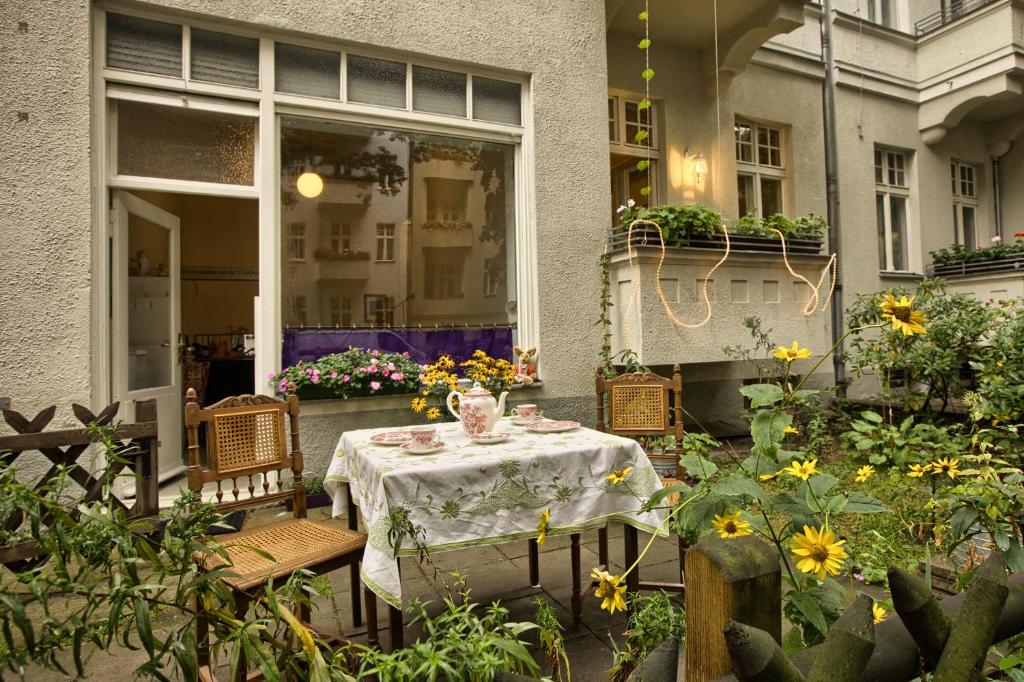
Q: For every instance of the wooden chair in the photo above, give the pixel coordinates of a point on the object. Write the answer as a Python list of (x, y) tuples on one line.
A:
[(245, 441), (643, 406)]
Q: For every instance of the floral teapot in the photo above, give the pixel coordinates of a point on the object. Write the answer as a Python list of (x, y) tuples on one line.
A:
[(478, 411)]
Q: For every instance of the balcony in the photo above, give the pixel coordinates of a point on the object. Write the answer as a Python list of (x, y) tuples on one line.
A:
[(333, 266), (748, 284), (949, 13)]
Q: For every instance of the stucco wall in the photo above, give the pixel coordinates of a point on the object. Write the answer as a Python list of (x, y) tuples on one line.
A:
[(45, 205), (1012, 171)]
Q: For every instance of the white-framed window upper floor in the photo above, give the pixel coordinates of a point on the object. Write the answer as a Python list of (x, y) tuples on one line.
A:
[(963, 179), (633, 136), (892, 208), (761, 173), (218, 109)]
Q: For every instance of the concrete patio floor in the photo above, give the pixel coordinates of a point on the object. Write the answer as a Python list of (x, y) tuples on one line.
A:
[(494, 573)]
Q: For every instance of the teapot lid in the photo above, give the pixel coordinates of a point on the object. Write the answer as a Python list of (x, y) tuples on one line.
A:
[(477, 390)]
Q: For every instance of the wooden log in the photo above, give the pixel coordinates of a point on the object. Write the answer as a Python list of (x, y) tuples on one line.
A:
[(849, 645), (756, 656), (974, 629), (920, 612), (727, 580)]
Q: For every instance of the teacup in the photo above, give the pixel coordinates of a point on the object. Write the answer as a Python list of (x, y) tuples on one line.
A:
[(525, 412), (423, 437)]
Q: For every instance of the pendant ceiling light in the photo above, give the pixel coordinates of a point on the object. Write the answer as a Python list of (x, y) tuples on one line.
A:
[(309, 183)]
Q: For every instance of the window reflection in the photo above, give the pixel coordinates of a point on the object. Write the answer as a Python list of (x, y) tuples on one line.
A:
[(410, 229)]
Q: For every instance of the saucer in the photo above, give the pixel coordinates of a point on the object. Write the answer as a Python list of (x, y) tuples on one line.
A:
[(526, 422), (411, 448), (391, 438), (489, 437), (553, 426)]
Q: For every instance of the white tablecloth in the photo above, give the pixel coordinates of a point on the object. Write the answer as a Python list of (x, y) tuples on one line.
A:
[(469, 494)]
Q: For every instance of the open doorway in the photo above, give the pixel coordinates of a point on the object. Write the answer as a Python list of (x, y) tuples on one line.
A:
[(185, 277)]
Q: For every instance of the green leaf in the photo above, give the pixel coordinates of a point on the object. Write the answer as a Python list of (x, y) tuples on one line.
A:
[(809, 608), (1014, 558), (644, 191), (836, 504), (757, 466), (698, 467), (644, 104), (662, 493), (769, 427), (821, 483), (699, 515), (872, 416), (962, 520), (786, 503), (739, 485), (644, 43), (761, 395), (641, 135), (642, 164), (642, 16), (647, 74), (859, 503)]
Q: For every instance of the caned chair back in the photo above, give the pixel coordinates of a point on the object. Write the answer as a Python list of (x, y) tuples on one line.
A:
[(246, 441), (642, 405)]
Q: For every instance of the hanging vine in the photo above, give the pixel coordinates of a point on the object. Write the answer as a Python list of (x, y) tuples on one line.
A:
[(642, 136), (605, 318)]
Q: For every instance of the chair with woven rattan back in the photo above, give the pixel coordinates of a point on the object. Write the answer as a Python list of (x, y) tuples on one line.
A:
[(646, 407), (247, 441)]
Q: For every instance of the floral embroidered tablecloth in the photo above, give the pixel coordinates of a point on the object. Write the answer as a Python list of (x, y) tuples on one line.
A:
[(469, 494)]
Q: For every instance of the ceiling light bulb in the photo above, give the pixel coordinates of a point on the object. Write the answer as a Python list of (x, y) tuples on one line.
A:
[(310, 185)]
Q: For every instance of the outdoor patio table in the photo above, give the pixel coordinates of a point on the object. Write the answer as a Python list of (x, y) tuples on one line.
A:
[(469, 494)]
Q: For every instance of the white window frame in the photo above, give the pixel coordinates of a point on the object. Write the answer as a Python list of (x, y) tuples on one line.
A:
[(755, 170), (893, 180), (875, 13), (297, 241), (267, 107), (341, 237), (385, 243), (964, 188), (622, 145), (490, 284), (372, 305), (340, 310)]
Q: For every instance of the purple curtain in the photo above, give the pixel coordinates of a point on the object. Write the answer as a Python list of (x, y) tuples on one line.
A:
[(423, 345)]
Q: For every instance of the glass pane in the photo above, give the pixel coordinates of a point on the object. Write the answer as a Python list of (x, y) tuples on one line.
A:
[(375, 81), (613, 128), (497, 101), (883, 260), (970, 238), (149, 305), (412, 228), (224, 58), (184, 144), (879, 173), (771, 196), (898, 216), (952, 174), (438, 92), (745, 188), (888, 17), (143, 45), (306, 71), (957, 236), (637, 181)]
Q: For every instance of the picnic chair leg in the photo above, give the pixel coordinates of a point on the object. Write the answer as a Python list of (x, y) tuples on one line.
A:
[(681, 544), (202, 634), (357, 607), (372, 636), (632, 551), (602, 546), (577, 595), (395, 624), (534, 562)]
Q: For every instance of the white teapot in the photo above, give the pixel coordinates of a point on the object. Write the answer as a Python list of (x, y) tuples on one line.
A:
[(478, 411)]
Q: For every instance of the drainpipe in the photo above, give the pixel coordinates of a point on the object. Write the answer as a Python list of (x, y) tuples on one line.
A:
[(997, 154), (828, 109)]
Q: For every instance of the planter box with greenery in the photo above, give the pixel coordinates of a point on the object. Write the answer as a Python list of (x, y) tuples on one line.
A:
[(699, 226), (958, 260), (352, 373)]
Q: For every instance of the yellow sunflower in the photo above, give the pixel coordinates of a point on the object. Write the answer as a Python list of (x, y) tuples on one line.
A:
[(730, 526), (609, 590), (790, 354), (945, 465), (902, 315), (419, 404), (617, 477), (771, 477), (802, 470), (878, 613), (919, 470), (819, 552), (542, 527), (434, 413), (792, 430), (864, 473)]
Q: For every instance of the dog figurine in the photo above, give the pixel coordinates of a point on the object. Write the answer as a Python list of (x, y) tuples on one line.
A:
[(526, 367)]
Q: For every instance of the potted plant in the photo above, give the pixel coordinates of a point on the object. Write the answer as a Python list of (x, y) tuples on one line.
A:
[(316, 496), (352, 373)]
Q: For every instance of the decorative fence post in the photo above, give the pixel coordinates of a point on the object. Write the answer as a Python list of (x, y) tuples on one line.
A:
[(739, 580)]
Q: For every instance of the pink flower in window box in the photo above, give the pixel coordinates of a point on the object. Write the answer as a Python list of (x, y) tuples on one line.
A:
[(397, 376), (375, 385)]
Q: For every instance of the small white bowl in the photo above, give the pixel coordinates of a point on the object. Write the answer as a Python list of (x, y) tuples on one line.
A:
[(490, 437)]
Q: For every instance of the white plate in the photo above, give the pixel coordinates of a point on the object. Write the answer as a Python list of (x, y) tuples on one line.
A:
[(527, 422), (411, 448), (391, 438), (490, 437), (553, 426)]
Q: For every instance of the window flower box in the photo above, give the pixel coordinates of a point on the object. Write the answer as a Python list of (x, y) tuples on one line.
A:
[(646, 235), (354, 372), (959, 261)]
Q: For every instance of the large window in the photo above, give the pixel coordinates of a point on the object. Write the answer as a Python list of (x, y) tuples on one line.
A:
[(963, 181), (419, 227), (760, 169), (892, 198), (632, 137), (883, 12)]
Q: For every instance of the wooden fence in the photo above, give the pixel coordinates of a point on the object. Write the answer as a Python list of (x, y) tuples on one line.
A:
[(64, 447)]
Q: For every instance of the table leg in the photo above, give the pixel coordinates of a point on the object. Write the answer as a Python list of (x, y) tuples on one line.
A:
[(353, 513), (632, 551), (577, 596), (395, 623), (602, 547), (371, 618), (534, 563)]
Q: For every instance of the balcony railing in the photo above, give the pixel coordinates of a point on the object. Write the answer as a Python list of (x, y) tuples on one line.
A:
[(952, 10)]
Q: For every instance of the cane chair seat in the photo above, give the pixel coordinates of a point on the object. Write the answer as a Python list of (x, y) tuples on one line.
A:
[(295, 544)]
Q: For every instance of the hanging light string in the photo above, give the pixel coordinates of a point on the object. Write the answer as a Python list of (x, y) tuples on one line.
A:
[(815, 297)]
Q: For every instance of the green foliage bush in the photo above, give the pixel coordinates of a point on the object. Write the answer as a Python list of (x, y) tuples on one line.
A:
[(961, 254), (677, 223), (909, 442)]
